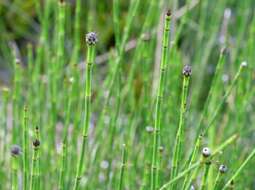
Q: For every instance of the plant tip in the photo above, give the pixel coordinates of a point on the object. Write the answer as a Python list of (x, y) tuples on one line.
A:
[(206, 152), (15, 150), (244, 64), (149, 129), (186, 70), (223, 168), (36, 143), (91, 38), (161, 149), (168, 13)]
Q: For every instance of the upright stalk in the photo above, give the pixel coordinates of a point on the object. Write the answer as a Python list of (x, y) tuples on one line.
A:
[(34, 176), (91, 40), (180, 133), (238, 171), (123, 166), (160, 93), (205, 176), (24, 147), (15, 152)]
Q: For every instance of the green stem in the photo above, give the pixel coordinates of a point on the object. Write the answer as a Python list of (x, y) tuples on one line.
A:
[(89, 62), (123, 166), (180, 133), (205, 176), (24, 147), (217, 181), (238, 171), (157, 124), (181, 175)]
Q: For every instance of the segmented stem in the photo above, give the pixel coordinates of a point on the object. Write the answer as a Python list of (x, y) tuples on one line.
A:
[(89, 61), (181, 175), (35, 169), (238, 171), (205, 176), (24, 147), (180, 133), (161, 86), (217, 181), (123, 166)]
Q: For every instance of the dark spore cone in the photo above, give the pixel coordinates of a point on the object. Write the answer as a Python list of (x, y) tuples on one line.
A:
[(91, 38), (36, 143), (169, 13), (15, 150), (187, 71)]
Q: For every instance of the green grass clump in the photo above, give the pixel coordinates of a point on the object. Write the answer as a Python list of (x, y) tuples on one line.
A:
[(128, 113)]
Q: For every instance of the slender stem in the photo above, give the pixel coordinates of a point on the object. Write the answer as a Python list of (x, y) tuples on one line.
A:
[(90, 60), (217, 181), (224, 98), (205, 176), (181, 175), (35, 159), (180, 133), (123, 166), (161, 86), (24, 147), (116, 15), (238, 171), (15, 165)]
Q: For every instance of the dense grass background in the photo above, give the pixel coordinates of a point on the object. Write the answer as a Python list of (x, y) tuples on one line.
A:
[(43, 80)]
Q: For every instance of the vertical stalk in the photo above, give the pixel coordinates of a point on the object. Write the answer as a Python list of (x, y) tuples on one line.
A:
[(15, 152), (24, 147), (35, 157), (180, 133), (123, 166), (157, 124), (205, 176), (238, 171), (34, 176), (91, 40)]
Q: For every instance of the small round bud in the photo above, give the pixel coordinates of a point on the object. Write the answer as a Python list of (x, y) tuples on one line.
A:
[(15, 150), (206, 152), (161, 149), (186, 71), (223, 50), (36, 143), (244, 64), (91, 38), (223, 168), (192, 187), (227, 13), (149, 129), (168, 13)]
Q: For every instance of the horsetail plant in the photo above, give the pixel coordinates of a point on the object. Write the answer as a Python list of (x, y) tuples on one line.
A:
[(123, 166), (238, 171), (15, 153), (25, 150), (160, 94), (205, 176), (215, 114), (35, 160), (180, 133), (222, 170), (91, 40)]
